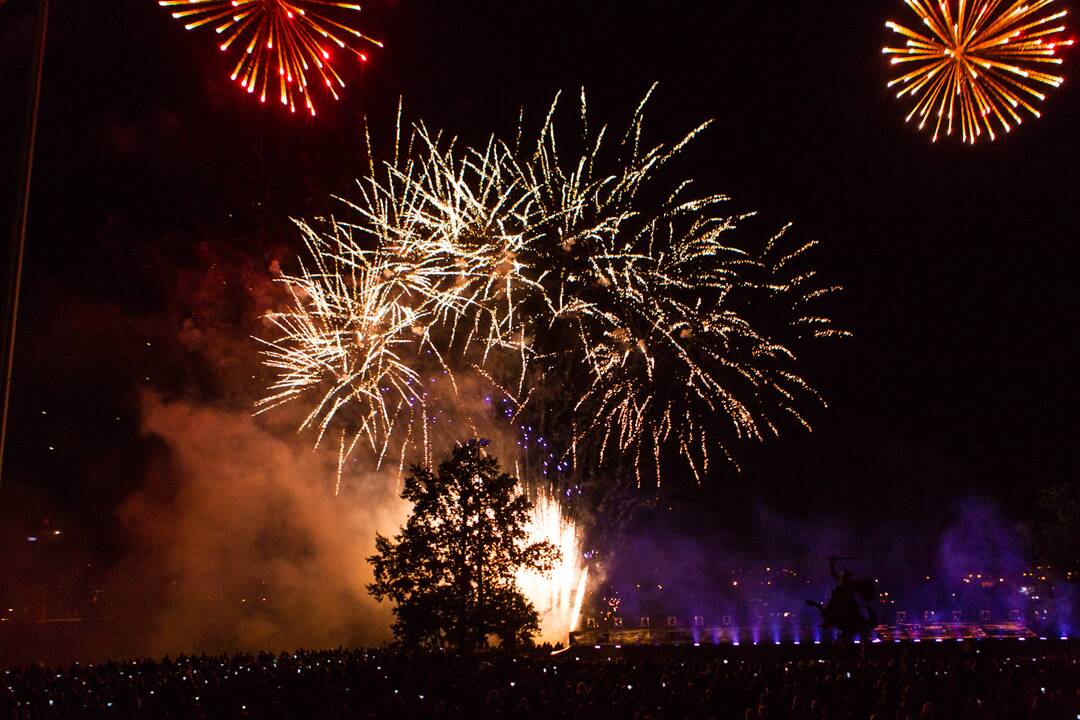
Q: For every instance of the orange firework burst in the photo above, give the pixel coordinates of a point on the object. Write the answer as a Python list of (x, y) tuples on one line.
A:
[(286, 45), (979, 60)]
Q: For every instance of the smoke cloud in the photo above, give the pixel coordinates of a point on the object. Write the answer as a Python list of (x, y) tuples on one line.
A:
[(243, 543), (980, 540), (965, 563)]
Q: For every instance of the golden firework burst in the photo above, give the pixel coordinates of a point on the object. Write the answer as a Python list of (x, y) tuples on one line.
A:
[(977, 64), (539, 269)]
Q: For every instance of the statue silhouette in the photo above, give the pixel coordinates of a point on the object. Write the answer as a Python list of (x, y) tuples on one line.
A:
[(850, 608)]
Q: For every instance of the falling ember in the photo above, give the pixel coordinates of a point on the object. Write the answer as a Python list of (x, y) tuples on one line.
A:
[(280, 40), (977, 65), (557, 595)]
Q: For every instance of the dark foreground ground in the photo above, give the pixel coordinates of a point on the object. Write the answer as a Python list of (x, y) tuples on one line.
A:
[(996, 679)]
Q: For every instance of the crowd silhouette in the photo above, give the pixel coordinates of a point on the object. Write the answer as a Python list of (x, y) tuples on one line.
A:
[(898, 684)]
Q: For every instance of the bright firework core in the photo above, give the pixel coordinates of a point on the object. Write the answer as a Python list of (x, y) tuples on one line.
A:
[(285, 46), (979, 65), (556, 595)]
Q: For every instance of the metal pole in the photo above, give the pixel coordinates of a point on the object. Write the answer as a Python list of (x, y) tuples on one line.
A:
[(22, 214)]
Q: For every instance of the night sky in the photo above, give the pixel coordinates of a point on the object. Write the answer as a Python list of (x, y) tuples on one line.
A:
[(162, 195)]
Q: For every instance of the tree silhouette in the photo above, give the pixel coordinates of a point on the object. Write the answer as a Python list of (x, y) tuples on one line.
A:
[(450, 570)]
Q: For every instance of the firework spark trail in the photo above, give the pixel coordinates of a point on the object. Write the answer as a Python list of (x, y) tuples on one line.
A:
[(347, 342), (446, 222), (980, 61), (657, 299), (558, 594), (531, 271), (285, 46)]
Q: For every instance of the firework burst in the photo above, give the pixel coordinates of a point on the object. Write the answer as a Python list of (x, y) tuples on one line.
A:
[(979, 64), (285, 47), (576, 285), (349, 342)]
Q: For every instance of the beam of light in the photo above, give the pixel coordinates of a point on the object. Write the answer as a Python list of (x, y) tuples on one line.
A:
[(558, 594), (977, 65), (549, 269), (284, 48)]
